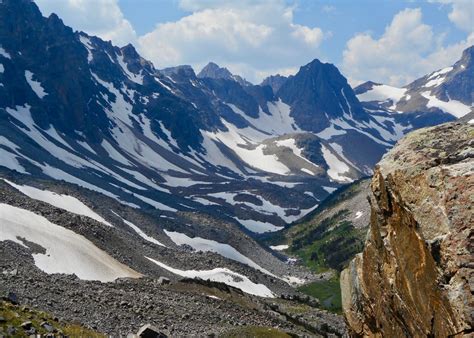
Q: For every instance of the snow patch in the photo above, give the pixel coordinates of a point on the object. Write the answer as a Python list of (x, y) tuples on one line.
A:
[(440, 72), (453, 107), (88, 45), (4, 53), (35, 85), (279, 247), (258, 226), (336, 166), (140, 232), (60, 201), (134, 77), (225, 250), (329, 132), (66, 251), (383, 93), (9, 159), (222, 275)]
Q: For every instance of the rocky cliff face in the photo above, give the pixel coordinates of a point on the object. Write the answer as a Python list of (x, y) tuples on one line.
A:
[(415, 275)]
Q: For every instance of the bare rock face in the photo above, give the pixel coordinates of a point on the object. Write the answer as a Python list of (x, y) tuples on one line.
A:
[(415, 276)]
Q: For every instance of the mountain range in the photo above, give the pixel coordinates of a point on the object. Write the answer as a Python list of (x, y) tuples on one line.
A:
[(163, 164)]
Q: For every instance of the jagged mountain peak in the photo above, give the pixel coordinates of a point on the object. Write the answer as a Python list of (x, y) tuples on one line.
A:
[(322, 87), (214, 71), (182, 70), (176, 127), (274, 81), (365, 86)]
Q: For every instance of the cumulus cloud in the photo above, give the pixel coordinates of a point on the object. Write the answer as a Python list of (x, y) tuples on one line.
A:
[(407, 49), (253, 36), (462, 13), (103, 18)]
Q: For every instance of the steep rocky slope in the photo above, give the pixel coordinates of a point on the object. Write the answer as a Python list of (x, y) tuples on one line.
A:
[(415, 275), (104, 118)]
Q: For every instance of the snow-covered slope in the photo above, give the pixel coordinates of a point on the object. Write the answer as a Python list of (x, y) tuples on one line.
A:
[(168, 140), (65, 202), (138, 155), (64, 250), (447, 94)]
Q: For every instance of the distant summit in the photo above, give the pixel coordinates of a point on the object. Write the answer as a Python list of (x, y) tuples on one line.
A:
[(440, 96), (274, 81), (213, 71)]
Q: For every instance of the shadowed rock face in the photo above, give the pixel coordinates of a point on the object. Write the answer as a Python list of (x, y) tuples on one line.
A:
[(415, 276)]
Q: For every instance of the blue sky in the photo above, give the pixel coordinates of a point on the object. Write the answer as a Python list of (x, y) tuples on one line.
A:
[(385, 41)]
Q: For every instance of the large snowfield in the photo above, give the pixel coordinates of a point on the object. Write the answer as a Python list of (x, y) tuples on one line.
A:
[(64, 250)]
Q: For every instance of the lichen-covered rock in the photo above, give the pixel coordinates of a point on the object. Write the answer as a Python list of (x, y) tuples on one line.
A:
[(415, 277)]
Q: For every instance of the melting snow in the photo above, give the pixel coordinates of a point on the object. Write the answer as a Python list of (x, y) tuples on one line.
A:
[(329, 189), (435, 82), (87, 43), (157, 205), (291, 143), (225, 250), (4, 53), (383, 93), (336, 166), (10, 160), (242, 142), (66, 251), (65, 202), (140, 232), (114, 154), (453, 107), (329, 132), (279, 247), (258, 226), (278, 123), (35, 85), (222, 275), (134, 77), (358, 214), (440, 72)]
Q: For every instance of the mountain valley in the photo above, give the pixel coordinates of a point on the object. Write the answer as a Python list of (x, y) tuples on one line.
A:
[(199, 203)]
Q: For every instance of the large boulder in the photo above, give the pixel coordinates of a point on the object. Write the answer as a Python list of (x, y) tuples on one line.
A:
[(415, 275), (150, 331)]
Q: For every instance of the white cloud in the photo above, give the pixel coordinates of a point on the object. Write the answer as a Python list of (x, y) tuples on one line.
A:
[(254, 36), (103, 18), (408, 49), (462, 13)]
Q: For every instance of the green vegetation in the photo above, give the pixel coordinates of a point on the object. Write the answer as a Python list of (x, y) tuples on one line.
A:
[(328, 292), (255, 331), (329, 244), (14, 316), (326, 240)]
